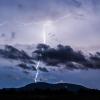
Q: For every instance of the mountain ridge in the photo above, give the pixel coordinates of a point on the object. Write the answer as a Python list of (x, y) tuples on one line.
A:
[(44, 91), (50, 86)]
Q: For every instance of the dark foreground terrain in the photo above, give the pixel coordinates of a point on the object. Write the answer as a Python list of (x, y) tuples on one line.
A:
[(45, 91)]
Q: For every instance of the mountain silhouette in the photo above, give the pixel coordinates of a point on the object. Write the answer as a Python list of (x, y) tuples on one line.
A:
[(44, 91)]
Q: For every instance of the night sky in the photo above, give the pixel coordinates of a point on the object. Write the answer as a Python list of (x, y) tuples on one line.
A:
[(73, 22)]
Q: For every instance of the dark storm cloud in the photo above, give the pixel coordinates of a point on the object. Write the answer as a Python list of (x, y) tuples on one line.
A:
[(95, 59), (65, 55)]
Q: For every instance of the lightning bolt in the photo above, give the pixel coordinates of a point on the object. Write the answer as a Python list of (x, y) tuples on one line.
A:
[(38, 63), (46, 26), (37, 71)]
